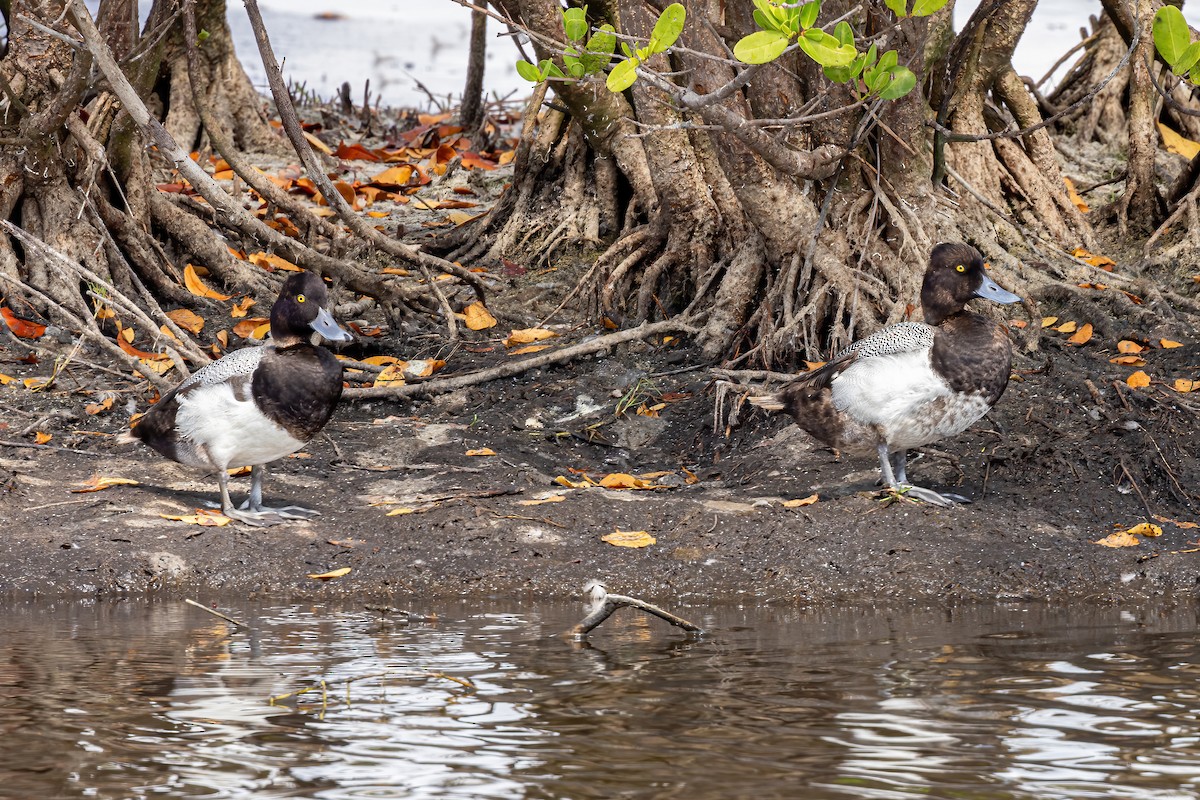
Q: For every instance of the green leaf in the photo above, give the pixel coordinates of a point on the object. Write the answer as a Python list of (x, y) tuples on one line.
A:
[(760, 47), (667, 29), (872, 54), (573, 62), (599, 49), (823, 48), (903, 81), (877, 79), (1171, 35), (1189, 58), (839, 74), (551, 70), (923, 8), (625, 49), (528, 71), (765, 22), (897, 7), (575, 23), (889, 59), (844, 33), (623, 75), (808, 13)]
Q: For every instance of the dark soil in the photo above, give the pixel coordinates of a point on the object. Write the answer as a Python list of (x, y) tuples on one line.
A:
[(1053, 468)]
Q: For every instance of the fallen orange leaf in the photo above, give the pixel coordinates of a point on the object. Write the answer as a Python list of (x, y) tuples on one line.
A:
[(336, 573), (554, 498), (248, 328), (1066, 327), (528, 335), (207, 518), (270, 262), (1138, 380), (620, 538), (187, 319), (100, 483), (803, 501), (241, 307), (1079, 202), (1122, 539), (196, 286), (1167, 344), (1183, 385), (1126, 346), (1082, 335), (1103, 262), (482, 451), (1048, 321), (21, 327), (1129, 361), (532, 348), (41, 437)]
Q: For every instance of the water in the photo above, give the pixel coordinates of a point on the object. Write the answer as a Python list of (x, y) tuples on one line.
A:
[(396, 43), (138, 700)]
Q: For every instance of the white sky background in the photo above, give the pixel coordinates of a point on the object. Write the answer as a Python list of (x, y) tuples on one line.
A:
[(396, 43)]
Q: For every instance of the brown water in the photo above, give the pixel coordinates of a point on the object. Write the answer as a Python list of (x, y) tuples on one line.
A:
[(133, 700)]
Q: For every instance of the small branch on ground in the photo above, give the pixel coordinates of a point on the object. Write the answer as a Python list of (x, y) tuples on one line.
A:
[(598, 345), (604, 604)]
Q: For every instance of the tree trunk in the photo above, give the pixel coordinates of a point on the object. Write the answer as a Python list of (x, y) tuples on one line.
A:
[(709, 220)]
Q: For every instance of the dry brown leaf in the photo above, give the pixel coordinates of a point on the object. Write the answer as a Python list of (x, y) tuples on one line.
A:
[(1122, 539), (21, 327), (478, 317), (248, 328), (1178, 144), (803, 501), (528, 335), (1079, 202), (620, 538), (554, 498), (530, 348), (188, 320), (196, 286), (334, 573), (1126, 346), (207, 518), (271, 262), (96, 408), (1145, 529), (481, 451), (100, 483), (586, 483), (1103, 262), (1138, 380), (1083, 335)]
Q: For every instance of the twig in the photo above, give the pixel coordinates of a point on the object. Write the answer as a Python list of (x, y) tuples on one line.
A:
[(215, 613), (32, 446), (604, 604), (598, 345), (324, 686)]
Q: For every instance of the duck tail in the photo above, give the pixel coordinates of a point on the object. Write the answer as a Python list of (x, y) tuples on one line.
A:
[(768, 402)]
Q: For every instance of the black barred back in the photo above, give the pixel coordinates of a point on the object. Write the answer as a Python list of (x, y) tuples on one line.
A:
[(298, 388)]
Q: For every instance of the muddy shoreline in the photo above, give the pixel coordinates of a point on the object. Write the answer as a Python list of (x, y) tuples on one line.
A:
[(1051, 470)]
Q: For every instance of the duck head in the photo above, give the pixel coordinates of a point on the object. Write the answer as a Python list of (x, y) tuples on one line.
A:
[(301, 308), (955, 275)]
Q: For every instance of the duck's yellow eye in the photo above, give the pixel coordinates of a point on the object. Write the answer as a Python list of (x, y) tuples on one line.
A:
[(957, 268), (300, 297)]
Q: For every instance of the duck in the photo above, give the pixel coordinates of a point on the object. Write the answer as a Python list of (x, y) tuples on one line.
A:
[(910, 384), (255, 405)]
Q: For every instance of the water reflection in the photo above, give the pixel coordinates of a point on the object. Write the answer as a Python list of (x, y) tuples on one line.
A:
[(144, 700)]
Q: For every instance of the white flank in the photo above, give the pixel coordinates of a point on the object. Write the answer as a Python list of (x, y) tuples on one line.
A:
[(902, 395), (233, 432)]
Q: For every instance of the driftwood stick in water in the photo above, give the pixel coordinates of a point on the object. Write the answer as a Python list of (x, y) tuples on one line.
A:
[(604, 604)]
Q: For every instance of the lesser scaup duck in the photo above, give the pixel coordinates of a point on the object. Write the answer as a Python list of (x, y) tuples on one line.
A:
[(256, 404), (912, 383)]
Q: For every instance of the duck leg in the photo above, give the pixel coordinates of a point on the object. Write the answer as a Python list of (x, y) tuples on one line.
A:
[(903, 487), (259, 518), (254, 502)]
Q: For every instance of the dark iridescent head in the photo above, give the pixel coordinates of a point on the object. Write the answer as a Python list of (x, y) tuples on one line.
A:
[(955, 275), (301, 308)]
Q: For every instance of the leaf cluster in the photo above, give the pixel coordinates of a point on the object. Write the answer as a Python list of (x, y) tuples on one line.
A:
[(1173, 39)]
